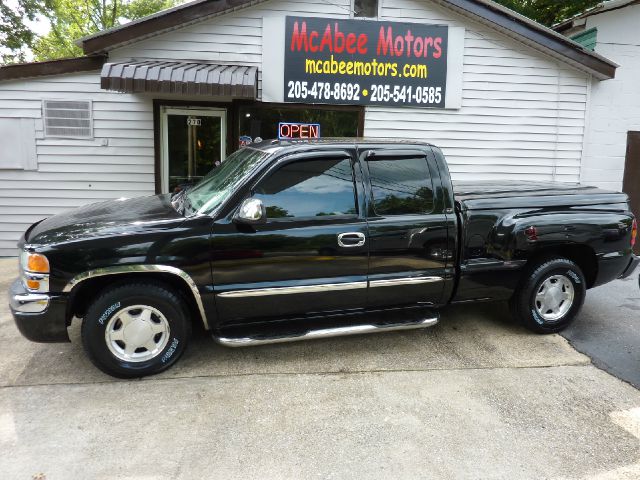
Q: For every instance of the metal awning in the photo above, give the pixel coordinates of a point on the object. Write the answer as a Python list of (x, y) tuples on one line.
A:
[(184, 78)]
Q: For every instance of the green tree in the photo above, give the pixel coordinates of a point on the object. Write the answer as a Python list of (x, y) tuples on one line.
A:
[(394, 204), (549, 12), (274, 211), (74, 19), (15, 37)]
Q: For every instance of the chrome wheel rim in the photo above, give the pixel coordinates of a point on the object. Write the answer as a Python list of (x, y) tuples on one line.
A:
[(554, 298), (137, 333)]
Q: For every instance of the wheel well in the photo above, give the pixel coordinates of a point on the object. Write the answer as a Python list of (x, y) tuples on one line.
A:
[(582, 255), (84, 293)]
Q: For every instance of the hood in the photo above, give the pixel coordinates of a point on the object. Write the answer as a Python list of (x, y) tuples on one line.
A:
[(113, 217)]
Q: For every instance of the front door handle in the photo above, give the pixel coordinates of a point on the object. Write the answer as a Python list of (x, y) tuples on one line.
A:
[(351, 239)]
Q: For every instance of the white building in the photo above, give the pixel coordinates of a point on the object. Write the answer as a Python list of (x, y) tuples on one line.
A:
[(611, 157), (158, 101)]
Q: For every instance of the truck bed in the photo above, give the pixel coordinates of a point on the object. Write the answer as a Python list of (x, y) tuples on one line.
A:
[(478, 195)]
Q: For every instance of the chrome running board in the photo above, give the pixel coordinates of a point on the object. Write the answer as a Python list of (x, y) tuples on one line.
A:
[(325, 333)]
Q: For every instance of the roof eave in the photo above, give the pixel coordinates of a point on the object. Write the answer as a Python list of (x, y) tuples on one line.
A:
[(159, 22), (535, 35), (52, 67), (602, 7)]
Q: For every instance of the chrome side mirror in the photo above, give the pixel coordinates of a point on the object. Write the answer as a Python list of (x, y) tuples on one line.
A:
[(251, 211)]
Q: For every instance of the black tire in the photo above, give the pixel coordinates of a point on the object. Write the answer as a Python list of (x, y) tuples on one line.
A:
[(527, 310), (167, 310)]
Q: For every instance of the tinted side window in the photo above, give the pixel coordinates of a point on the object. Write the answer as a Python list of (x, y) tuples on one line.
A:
[(309, 188), (401, 186)]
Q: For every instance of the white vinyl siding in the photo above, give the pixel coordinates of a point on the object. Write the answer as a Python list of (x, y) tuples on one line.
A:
[(233, 38), (117, 162)]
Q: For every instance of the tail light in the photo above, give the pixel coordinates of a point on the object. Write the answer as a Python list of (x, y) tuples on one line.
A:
[(531, 233), (634, 233)]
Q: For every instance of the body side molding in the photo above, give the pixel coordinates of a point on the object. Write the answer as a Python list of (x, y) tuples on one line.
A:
[(391, 282), (101, 272), (325, 287)]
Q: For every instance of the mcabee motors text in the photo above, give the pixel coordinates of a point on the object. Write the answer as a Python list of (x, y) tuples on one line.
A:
[(388, 43)]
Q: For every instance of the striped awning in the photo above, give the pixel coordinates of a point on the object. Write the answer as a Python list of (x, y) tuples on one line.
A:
[(184, 78)]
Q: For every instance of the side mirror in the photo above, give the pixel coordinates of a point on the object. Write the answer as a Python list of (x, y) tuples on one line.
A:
[(251, 212)]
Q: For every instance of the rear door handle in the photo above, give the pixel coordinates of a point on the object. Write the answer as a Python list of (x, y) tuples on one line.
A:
[(351, 239)]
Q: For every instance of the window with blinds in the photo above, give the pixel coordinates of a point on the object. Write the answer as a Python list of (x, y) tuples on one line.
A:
[(68, 118)]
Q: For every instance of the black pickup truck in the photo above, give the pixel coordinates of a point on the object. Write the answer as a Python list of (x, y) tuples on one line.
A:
[(287, 241)]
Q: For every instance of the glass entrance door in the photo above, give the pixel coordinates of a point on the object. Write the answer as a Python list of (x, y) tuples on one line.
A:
[(193, 144)]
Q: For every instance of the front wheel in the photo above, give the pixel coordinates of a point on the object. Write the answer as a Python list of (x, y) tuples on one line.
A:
[(549, 296), (136, 329)]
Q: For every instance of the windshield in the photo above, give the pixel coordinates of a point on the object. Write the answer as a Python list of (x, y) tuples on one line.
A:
[(219, 183)]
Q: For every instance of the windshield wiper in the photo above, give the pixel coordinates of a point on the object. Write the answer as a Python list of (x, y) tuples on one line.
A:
[(180, 201), (186, 205)]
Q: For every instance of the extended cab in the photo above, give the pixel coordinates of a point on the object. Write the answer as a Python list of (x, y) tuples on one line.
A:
[(288, 241)]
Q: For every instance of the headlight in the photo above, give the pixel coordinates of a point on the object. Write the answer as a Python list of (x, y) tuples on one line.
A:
[(34, 271)]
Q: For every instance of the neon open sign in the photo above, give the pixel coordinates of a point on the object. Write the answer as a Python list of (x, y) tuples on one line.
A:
[(298, 131)]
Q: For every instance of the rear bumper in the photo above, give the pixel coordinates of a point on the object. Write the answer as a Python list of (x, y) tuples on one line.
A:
[(633, 263), (39, 317)]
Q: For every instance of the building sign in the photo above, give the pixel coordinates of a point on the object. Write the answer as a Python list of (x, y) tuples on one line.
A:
[(298, 131), (361, 62), (194, 122)]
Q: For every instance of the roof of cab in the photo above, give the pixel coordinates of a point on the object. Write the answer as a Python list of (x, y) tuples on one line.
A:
[(272, 146)]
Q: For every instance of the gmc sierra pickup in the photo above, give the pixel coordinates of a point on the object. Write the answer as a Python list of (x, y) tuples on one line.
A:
[(287, 241)]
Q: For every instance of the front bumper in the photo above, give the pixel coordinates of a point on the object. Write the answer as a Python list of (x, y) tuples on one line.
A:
[(39, 317), (635, 260)]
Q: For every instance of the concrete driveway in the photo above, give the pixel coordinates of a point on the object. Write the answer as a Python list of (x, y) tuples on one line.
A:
[(474, 397)]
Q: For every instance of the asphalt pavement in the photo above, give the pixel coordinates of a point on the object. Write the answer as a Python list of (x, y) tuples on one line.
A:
[(475, 397), (608, 329)]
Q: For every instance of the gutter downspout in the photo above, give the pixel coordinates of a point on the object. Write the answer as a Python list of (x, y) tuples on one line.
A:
[(587, 124), (557, 125)]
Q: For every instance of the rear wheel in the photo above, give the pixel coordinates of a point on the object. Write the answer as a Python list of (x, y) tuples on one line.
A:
[(134, 330), (549, 296)]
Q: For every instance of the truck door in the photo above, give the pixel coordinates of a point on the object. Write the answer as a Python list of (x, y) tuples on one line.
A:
[(310, 256), (408, 244)]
